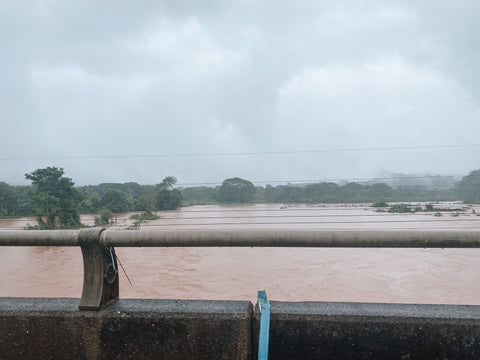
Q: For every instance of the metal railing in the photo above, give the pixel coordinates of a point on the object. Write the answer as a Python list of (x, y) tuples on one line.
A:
[(100, 280)]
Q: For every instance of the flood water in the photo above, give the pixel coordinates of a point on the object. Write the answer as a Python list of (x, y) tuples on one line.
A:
[(442, 276)]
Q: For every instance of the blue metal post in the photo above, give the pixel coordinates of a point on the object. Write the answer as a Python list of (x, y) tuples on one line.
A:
[(264, 307)]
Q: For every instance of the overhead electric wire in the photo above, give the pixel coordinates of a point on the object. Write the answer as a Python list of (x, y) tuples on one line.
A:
[(178, 221), (289, 212), (280, 207), (312, 208), (284, 208), (281, 152), (311, 222)]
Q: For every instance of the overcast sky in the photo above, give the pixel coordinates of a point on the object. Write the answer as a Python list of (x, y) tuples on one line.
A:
[(107, 89)]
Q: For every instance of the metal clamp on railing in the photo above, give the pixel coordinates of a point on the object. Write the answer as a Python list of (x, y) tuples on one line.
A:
[(100, 270)]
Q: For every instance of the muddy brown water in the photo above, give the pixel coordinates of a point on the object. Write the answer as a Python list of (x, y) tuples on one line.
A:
[(442, 276)]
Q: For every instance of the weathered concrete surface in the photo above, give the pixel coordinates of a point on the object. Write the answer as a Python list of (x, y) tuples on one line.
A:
[(33, 328), (317, 330)]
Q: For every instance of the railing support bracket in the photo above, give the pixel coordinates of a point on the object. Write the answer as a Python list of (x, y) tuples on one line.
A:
[(100, 270)]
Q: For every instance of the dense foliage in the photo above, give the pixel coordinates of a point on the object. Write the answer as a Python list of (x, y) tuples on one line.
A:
[(329, 192), (167, 197), (7, 199), (236, 190), (57, 203), (116, 201), (54, 198), (468, 189)]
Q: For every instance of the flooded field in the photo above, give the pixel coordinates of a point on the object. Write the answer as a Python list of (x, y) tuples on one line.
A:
[(445, 276)]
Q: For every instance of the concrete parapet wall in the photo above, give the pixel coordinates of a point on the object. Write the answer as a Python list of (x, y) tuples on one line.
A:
[(127, 329), (32, 328), (319, 330)]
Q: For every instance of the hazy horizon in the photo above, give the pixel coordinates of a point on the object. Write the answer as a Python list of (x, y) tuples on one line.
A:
[(391, 179)]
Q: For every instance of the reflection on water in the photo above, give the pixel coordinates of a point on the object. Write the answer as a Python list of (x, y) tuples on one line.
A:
[(370, 275)]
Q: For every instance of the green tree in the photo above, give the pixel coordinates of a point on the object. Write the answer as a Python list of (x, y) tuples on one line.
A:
[(353, 192), (55, 199), (200, 193), (8, 200), (327, 192), (168, 198), (105, 217), (272, 194), (146, 203), (91, 204), (115, 200), (24, 206), (468, 189), (167, 183), (236, 190), (292, 194), (381, 192)]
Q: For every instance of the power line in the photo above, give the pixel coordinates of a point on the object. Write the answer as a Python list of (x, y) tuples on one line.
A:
[(311, 222), (283, 207), (283, 152), (282, 223), (313, 209), (292, 216), (180, 219)]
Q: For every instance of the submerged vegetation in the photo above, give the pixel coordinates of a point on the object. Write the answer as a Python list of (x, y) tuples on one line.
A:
[(400, 208), (57, 203), (141, 218)]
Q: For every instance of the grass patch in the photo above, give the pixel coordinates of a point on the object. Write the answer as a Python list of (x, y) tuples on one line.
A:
[(141, 218), (145, 216), (400, 208), (198, 202)]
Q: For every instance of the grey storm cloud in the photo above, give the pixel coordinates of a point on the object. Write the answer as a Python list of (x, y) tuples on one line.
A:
[(99, 88)]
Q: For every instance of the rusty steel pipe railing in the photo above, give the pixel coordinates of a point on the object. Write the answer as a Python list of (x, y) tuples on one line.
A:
[(288, 238), (250, 238), (100, 279), (39, 237)]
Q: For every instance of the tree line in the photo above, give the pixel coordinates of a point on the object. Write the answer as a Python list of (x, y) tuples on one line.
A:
[(56, 202), (236, 190)]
